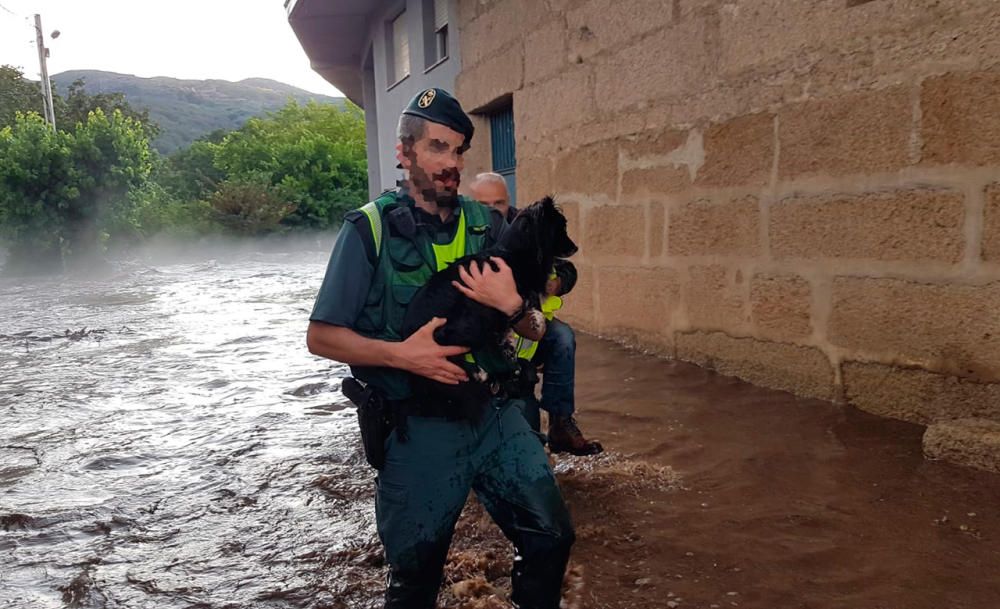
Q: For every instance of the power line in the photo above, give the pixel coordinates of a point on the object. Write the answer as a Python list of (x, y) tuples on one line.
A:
[(10, 11), (27, 19)]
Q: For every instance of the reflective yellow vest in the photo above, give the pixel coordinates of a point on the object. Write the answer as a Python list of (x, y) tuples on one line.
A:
[(403, 266), (526, 348)]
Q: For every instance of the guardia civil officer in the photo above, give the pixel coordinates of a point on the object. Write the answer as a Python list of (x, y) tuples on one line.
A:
[(385, 251)]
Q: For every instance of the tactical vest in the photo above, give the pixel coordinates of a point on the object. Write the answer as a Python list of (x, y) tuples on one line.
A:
[(404, 265)]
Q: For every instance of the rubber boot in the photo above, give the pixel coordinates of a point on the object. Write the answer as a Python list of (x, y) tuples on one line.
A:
[(566, 437)]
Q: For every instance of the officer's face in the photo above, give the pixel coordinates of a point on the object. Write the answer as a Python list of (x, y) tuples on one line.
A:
[(493, 194), (435, 163)]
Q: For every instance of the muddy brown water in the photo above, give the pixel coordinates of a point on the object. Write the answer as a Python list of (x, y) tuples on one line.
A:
[(178, 447)]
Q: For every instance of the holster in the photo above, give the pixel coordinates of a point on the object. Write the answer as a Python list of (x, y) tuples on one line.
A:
[(523, 385), (374, 419)]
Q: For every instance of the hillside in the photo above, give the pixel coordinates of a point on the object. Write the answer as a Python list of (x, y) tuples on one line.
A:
[(188, 109)]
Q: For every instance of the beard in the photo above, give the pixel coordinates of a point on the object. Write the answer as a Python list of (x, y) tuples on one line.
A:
[(424, 183)]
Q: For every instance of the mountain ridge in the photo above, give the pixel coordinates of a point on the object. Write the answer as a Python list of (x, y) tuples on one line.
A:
[(186, 109)]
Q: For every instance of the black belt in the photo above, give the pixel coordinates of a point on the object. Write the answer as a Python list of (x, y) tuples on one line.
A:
[(415, 407)]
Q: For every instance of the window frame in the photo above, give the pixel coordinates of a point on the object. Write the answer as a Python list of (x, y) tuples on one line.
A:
[(436, 50), (398, 22)]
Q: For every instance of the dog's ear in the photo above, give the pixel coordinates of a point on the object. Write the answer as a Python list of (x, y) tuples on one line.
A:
[(556, 226)]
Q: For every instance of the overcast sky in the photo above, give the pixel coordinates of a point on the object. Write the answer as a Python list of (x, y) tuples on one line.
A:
[(227, 39)]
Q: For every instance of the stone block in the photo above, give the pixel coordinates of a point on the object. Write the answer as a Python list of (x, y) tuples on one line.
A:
[(739, 152), (534, 179), (959, 37), (545, 51), (493, 29), (991, 224), (804, 371), (969, 442), (917, 395), (638, 303), (616, 230), (948, 328), (601, 127), (781, 306), (657, 143), (857, 133), (714, 301), (759, 33), (960, 120), (571, 209), (594, 27), (590, 170), (553, 104), (468, 10), (539, 13), (670, 64), (654, 182), (497, 76), (578, 305), (707, 228), (657, 228), (918, 225)]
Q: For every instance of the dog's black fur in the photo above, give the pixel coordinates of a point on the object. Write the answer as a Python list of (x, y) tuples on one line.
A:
[(535, 238)]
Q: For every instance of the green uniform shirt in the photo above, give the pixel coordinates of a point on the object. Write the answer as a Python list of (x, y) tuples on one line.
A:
[(349, 272)]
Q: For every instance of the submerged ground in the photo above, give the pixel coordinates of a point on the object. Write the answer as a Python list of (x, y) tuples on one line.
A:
[(167, 441)]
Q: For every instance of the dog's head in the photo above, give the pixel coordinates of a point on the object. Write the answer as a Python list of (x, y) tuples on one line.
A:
[(535, 238)]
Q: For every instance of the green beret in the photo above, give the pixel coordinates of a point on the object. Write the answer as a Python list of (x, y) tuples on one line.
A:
[(438, 106)]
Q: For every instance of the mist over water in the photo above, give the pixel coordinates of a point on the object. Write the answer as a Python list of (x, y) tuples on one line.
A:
[(164, 428)]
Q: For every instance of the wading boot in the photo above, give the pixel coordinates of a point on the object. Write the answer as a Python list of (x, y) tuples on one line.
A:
[(566, 437)]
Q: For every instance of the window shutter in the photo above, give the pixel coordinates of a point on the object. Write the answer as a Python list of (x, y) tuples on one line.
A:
[(400, 47), (440, 14)]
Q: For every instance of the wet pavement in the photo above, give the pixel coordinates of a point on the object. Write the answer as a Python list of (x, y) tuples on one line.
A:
[(786, 502), (178, 447)]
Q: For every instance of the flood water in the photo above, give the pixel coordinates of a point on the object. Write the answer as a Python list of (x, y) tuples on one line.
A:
[(167, 441)]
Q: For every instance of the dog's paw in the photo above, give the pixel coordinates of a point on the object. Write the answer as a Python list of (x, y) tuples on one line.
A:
[(537, 320), (573, 588)]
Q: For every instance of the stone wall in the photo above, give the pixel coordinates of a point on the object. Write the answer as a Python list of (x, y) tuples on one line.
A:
[(803, 194)]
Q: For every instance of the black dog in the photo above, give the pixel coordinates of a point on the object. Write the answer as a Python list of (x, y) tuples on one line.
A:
[(535, 238)]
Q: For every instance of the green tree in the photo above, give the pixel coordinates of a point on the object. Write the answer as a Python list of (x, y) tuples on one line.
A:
[(251, 206), (111, 156), (74, 109), (62, 195), (37, 184), (156, 211), (17, 94), (315, 152), (191, 174)]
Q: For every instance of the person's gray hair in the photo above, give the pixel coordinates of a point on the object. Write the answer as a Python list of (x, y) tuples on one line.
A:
[(490, 176), (411, 128)]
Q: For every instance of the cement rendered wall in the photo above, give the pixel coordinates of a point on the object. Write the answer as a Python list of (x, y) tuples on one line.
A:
[(389, 99), (801, 193)]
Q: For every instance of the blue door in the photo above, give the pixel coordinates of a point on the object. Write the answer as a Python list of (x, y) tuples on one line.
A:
[(502, 144)]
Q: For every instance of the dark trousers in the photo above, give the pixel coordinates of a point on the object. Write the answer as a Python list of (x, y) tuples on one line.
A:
[(426, 481), (557, 353)]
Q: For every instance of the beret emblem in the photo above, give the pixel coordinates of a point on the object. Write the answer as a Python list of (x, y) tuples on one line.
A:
[(427, 98)]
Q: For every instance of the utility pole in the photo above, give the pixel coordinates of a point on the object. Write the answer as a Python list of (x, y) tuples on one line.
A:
[(43, 54)]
